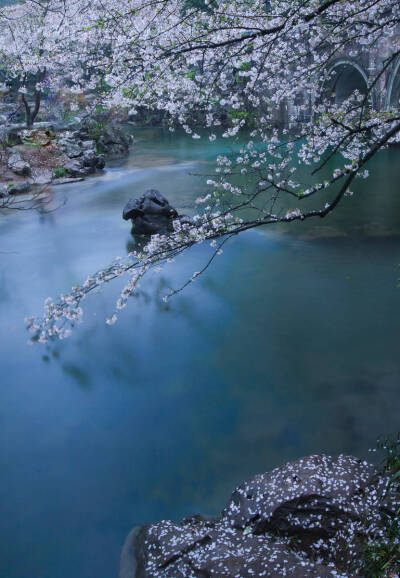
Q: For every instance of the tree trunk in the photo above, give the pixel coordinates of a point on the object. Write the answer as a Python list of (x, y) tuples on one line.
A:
[(38, 100), (30, 115)]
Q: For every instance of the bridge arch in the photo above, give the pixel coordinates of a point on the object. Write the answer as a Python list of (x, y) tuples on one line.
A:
[(344, 77), (393, 89)]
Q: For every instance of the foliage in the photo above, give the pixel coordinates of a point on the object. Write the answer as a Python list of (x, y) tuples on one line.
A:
[(381, 557), (95, 129), (33, 145), (391, 448), (60, 173), (204, 5), (35, 39)]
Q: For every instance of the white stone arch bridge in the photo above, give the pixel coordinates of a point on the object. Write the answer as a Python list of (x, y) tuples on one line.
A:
[(345, 74)]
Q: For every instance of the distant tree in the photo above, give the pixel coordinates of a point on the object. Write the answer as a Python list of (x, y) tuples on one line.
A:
[(40, 50), (25, 56)]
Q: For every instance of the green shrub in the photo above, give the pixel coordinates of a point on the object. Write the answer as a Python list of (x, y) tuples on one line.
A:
[(381, 557), (95, 130), (33, 145), (59, 173)]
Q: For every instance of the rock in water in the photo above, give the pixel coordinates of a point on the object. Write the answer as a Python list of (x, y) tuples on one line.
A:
[(152, 214), (132, 209)]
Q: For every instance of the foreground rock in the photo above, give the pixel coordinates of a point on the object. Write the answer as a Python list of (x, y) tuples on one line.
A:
[(307, 518), (151, 214)]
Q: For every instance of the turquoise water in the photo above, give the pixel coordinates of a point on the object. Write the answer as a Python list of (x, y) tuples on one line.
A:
[(287, 346)]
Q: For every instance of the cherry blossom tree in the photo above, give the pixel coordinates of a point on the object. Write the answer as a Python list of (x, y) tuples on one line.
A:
[(40, 49), (25, 53), (231, 67)]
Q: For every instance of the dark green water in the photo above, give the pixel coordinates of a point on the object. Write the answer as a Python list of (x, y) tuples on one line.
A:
[(289, 345)]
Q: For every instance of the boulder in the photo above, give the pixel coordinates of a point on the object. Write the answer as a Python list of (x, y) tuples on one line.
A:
[(15, 189), (84, 159), (152, 214), (314, 495), (152, 225), (19, 188), (90, 158), (41, 137), (304, 519), (70, 147), (75, 168), (18, 165), (109, 137), (88, 144), (196, 548), (101, 162), (114, 140), (10, 134), (132, 209)]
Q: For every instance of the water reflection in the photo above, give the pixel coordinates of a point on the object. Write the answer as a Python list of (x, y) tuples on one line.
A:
[(80, 376), (136, 243)]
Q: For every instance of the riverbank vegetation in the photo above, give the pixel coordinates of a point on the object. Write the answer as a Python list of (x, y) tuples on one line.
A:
[(381, 556)]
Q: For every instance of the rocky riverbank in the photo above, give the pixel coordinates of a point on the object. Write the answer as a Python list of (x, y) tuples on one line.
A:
[(43, 155), (312, 517)]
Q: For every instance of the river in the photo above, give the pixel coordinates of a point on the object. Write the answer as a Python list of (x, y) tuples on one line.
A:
[(288, 345)]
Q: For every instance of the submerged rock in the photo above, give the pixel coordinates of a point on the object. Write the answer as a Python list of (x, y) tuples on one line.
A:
[(152, 214), (304, 519)]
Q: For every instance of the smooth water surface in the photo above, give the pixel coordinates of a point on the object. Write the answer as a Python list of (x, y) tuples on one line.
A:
[(288, 345)]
